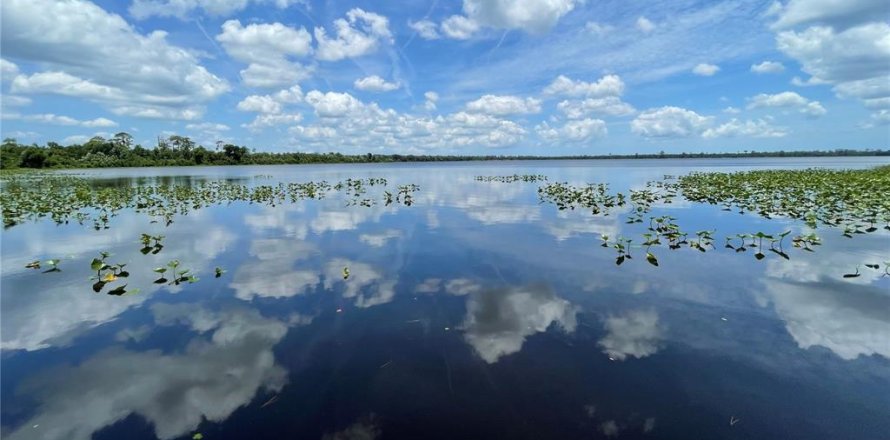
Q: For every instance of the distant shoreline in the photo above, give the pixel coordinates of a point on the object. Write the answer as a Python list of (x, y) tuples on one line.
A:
[(119, 152)]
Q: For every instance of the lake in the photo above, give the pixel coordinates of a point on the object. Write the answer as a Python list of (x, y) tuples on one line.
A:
[(477, 311)]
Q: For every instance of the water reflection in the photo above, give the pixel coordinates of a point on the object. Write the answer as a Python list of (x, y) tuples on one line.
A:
[(53, 309), (272, 272), (479, 313), (499, 320), (635, 333), (365, 283), (220, 369)]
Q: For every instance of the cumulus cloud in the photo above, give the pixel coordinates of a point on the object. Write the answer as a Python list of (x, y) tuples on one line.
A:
[(266, 49), (845, 44), (645, 25), (360, 33), (705, 69), (142, 9), (428, 30), (498, 321), (172, 391), (609, 85), (8, 69), (668, 122), (632, 334), (84, 64), (838, 14), (610, 105), (573, 131), (504, 105), (768, 67), (345, 121), (271, 108), (759, 128), (787, 100), (533, 16), (458, 27), (375, 83)]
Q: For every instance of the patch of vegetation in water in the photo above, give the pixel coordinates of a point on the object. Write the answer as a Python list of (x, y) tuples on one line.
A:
[(855, 200), (513, 178), (63, 198)]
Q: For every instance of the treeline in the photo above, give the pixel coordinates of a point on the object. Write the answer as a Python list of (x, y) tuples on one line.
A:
[(120, 151)]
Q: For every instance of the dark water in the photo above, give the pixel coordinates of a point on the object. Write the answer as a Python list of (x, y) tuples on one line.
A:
[(475, 313)]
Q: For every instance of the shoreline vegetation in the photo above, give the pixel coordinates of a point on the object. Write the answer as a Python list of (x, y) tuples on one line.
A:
[(120, 152)]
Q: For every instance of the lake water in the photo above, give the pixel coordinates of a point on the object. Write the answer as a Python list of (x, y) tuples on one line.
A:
[(476, 312)]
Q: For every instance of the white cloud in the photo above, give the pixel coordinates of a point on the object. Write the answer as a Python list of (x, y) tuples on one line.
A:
[(361, 33), (269, 120), (768, 67), (344, 122), (731, 110), (208, 127), (257, 43), (669, 122), (266, 48), (610, 105), (271, 108), (787, 100), (430, 100), (633, 334), (609, 85), (375, 83), (573, 131), (332, 104), (84, 64), (533, 16), (8, 69), (259, 104), (704, 69), (425, 28), (53, 119), (645, 25), (759, 128), (498, 321), (838, 14), (76, 401), (504, 105), (142, 9), (458, 27), (854, 59)]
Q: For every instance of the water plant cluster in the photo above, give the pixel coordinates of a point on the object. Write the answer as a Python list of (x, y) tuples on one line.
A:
[(65, 198), (854, 200), (513, 178)]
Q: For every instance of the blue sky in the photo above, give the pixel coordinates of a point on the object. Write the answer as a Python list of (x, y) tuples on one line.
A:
[(548, 77)]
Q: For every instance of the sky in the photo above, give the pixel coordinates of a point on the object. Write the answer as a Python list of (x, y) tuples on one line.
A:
[(506, 77)]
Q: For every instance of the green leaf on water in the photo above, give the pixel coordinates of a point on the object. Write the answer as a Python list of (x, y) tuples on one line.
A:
[(651, 259)]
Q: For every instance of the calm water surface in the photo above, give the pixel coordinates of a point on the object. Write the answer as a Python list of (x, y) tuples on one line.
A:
[(475, 313)]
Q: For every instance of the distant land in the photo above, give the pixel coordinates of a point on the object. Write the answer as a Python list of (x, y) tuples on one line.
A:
[(120, 151)]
